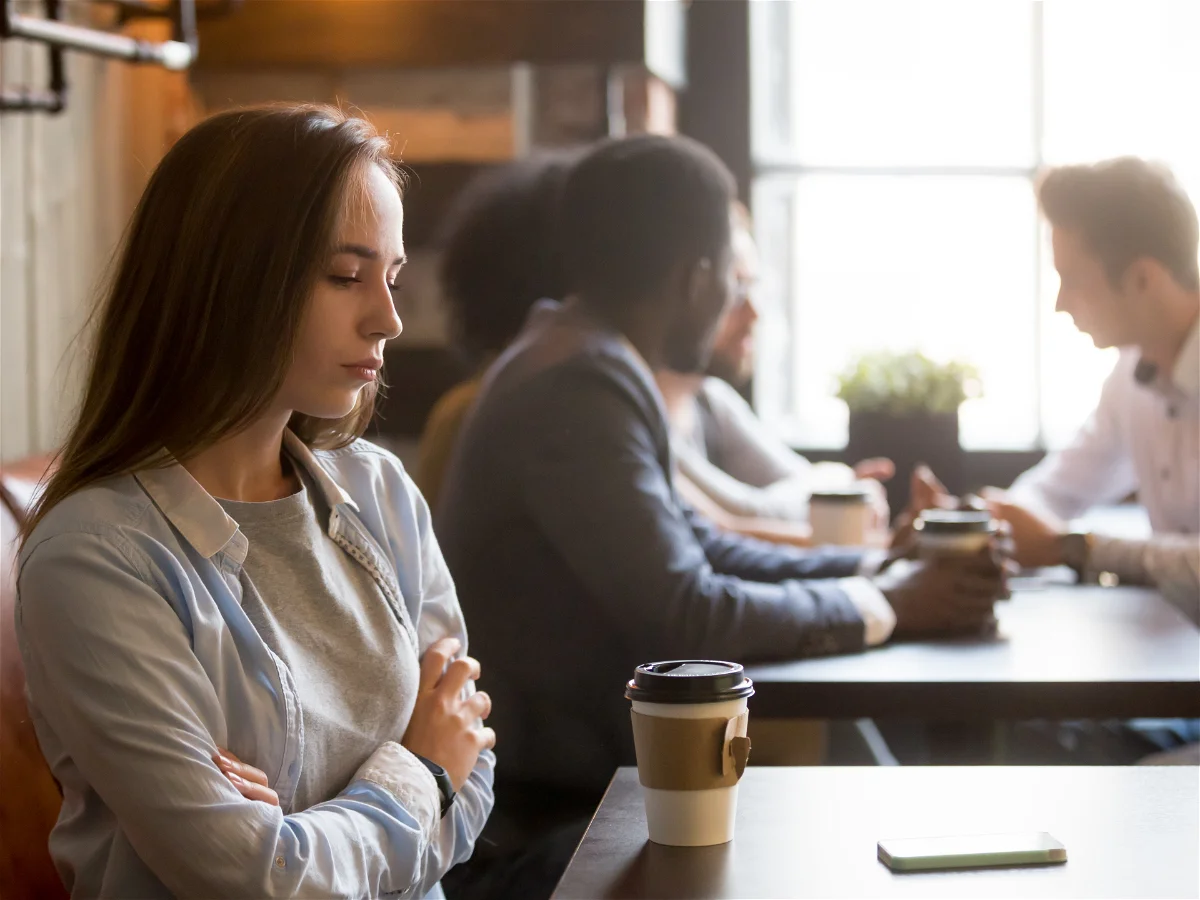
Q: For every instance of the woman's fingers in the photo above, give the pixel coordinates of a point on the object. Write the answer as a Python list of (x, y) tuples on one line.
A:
[(435, 660), (479, 705), (250, 782), (457, 675), (252, 791), (487, 739), (227, 763)]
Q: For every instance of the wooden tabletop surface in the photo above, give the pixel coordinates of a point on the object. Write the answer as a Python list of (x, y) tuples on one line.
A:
[(812, 832)]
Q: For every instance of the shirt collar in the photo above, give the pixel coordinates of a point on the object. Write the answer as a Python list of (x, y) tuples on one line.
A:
[(639, 360), (333, 492), (200, 518), (573, 307), (1186, 373)]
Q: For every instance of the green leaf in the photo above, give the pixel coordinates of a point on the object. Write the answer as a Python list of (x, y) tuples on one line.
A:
[(906, 383)]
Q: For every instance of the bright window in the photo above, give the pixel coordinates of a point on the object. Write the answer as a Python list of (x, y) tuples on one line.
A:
[(895, 147)]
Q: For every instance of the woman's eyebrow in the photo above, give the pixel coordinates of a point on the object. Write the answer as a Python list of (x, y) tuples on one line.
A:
[(365, 252)]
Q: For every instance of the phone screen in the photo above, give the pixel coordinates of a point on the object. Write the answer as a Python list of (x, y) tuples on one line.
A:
[(970, 851)]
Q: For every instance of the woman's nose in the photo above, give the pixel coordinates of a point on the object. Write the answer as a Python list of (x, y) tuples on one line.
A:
[(385, 318)]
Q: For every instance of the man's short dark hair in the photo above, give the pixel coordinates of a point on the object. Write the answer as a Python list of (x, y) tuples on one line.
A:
[(635, 208), (1125, 209), (501, 252)]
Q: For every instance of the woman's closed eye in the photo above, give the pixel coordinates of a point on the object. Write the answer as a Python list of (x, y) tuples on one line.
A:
[(344, 281)]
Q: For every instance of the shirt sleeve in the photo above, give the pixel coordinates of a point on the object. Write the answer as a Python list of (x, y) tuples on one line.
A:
[(112, 675), (744, 447), (1096, 467), (406, 531), (596, 482), (750, 471), (879, 619), (1169, 562), (786, 499), (441, 616)]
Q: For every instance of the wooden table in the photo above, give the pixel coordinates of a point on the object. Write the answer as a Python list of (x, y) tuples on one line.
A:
[(1061, 653), (812, 832)]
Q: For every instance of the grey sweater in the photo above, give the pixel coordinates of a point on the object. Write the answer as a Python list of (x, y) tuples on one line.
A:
[(324, 616), (575, 560)]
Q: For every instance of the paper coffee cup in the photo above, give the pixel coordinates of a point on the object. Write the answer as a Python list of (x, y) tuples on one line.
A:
[(841, 517), (953, 532), (689, 732)]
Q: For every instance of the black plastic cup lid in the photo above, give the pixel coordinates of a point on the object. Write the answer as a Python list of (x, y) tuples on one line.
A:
[(955, 521), (840, 495), (688, 681)]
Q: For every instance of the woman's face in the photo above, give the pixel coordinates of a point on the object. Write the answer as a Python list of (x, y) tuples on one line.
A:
[(352, 311)]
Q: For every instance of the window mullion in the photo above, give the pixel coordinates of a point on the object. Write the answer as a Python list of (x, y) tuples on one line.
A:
[(1037, 110)]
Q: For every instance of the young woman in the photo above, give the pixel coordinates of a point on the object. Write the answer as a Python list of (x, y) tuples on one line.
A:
[(245, 657)]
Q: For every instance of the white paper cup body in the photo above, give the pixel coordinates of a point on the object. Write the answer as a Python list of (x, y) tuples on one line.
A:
[(691, 818), (839, 522), (930, 545)]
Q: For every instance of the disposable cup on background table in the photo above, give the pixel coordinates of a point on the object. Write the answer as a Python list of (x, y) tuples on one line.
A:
[(842, 517)]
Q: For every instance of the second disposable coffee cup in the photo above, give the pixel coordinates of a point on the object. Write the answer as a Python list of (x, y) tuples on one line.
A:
[(841, 516), (953, 532), (689, 731)]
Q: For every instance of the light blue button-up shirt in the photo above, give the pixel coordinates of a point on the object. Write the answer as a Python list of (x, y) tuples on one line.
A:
[(140, 662)]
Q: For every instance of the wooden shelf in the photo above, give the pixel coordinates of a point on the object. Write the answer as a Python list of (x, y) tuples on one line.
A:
[(434, 33)]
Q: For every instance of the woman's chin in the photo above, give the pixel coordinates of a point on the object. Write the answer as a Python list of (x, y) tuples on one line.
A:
[(330, 407)]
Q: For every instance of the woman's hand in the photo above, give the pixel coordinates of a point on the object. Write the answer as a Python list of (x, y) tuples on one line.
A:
[(250, 782), (925, 492), (1036, 536), (877, 468), (442, 728)]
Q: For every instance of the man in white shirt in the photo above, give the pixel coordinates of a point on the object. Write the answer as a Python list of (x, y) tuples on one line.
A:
[(1125, 240)]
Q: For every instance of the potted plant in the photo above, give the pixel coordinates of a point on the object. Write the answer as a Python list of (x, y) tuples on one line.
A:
[(905, 406)]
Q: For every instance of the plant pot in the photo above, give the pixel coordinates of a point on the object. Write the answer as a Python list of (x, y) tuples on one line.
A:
[(929, 438)]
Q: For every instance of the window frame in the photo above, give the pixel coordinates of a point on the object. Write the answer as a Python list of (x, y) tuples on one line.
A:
[(771, 163)]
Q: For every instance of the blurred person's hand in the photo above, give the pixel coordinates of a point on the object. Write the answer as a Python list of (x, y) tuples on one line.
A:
[(925, 492), (881, 514), (443, 724), (250, 782), (1036, 537), (944, 595), (878, 468)]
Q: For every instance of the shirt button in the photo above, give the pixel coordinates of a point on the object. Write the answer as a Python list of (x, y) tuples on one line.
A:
[(279, 862), (1166, 474), (292, 770)]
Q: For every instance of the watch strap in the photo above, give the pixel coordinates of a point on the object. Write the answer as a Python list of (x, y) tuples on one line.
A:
[(445, 785), (1077, 551)]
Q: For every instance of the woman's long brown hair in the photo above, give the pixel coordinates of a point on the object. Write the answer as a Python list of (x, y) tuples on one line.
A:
[(196, 330)]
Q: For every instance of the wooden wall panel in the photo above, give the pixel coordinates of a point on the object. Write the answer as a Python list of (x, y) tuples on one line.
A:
[(423, 33), (439, 115), (67, 186)]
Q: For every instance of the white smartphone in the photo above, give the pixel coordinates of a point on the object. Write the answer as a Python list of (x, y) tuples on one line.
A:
[(971, 851)]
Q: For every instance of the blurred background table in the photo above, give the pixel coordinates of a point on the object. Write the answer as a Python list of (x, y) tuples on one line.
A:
[(1061, 652)]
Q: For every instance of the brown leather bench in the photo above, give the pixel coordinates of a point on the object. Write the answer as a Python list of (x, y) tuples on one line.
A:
[(31, 797)]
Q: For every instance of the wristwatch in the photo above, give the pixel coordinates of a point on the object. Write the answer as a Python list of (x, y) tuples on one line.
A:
[(1076, 549), (445, 786)]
